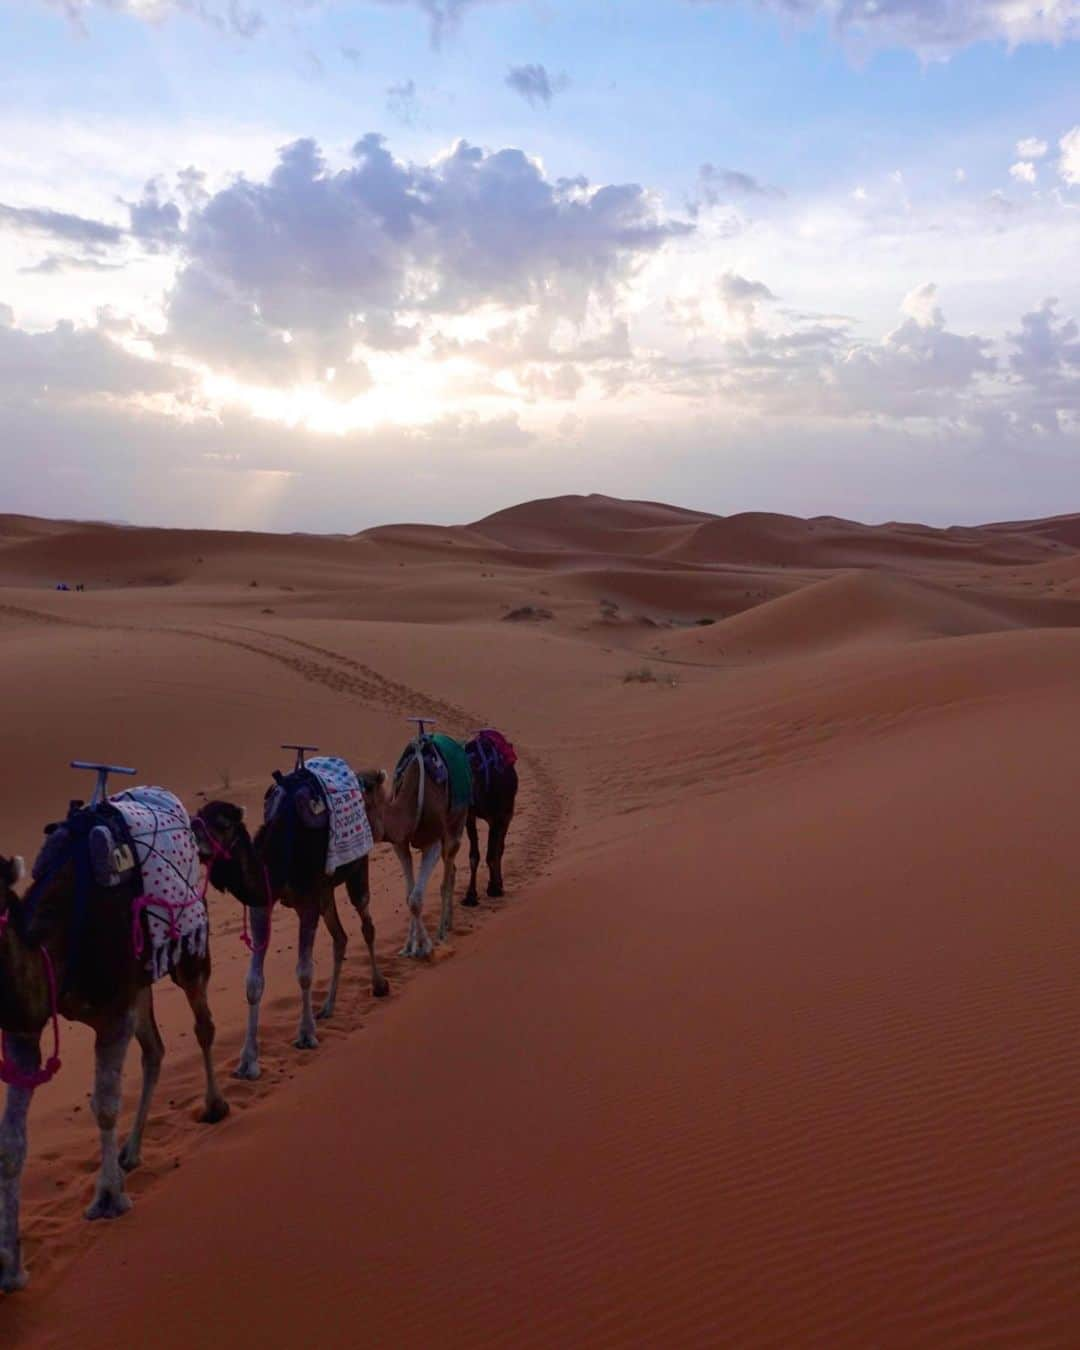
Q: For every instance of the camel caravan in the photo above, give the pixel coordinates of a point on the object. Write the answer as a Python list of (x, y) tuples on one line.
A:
[(117, 900)]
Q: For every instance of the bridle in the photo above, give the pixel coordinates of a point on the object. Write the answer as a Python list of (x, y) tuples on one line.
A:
[(221, 853)]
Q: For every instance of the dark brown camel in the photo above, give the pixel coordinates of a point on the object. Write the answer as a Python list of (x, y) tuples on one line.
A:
[(417, 814), (495, 785), (285, 862), (99, 981)]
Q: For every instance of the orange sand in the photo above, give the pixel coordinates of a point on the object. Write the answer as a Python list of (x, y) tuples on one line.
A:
[(773, 1041)]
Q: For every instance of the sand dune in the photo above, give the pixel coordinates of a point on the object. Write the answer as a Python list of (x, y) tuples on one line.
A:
[(772, 1042), (854, 607)]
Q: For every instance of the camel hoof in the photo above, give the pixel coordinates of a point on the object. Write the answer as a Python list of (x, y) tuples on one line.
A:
[(380, 988), (215, 1111), (307, 1040), (470, 901), (109, 1205), (12, 1277), (130, 1158), (496, 892), (249, 1070)]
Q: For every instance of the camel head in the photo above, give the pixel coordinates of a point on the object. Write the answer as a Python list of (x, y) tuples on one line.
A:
[(374, 784), (226, 847), (12, 871)]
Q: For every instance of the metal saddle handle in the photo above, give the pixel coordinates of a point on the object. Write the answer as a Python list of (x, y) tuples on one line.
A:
[(421, 723), (102, 771)]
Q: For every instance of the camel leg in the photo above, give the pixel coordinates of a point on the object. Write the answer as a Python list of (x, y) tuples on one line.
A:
[(357, 886), (109, 1051), (497, 832), (153, 1052), (446, 918), (470, 897), (338, 936), (25, 1053), (194, 979), (305, 974), (259, 919), (404, 857), (419, 944)]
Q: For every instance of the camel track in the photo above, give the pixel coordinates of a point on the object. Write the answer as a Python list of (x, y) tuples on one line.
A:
[(53, 1229), (543, 804)]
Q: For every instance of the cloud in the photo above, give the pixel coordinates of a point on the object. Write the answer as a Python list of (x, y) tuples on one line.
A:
[(936, 28), (228, 16), (55, 264), (1023, 171), (72, 229), (279, 278), (1069, 163), (534, 83), (1046, 357), (933, 28), (1031, 148), (740, 297), (719, 185), (919, 371), (155, 221), (401, 102), (67, 362)]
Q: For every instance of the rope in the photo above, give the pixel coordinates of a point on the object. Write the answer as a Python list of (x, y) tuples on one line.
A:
[(10, 1073)]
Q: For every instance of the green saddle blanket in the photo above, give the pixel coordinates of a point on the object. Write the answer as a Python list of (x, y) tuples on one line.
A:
[(457, 765)]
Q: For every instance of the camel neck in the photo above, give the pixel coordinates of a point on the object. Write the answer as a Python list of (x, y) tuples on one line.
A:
[(24, 993), (399, 812)]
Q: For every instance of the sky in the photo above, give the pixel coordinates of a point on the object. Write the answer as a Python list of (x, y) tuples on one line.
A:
[(321, 264)]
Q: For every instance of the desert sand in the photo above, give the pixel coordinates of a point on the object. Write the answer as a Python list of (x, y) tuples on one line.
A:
[(773, 1041)]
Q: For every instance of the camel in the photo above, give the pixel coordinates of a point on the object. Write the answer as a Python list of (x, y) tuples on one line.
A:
[(52, 962), (495, 785), (285, 862), (419, 813)]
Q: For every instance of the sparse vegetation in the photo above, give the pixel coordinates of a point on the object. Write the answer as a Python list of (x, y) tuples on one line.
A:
[(646, 675)]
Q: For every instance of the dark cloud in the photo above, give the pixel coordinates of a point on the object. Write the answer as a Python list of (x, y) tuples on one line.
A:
[(401, 103), (94, 234), (1046, 358), (289, 274), (741, 296), (155, 221), (718, 185), (68, 362), (534, 83)]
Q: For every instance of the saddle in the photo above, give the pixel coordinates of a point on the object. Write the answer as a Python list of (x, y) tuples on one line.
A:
[(103, 833), (434, 764), (489, 754), (304, 791)]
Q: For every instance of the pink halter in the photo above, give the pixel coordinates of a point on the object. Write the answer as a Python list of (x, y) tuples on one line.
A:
[(218, 849), (9, 1072)]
